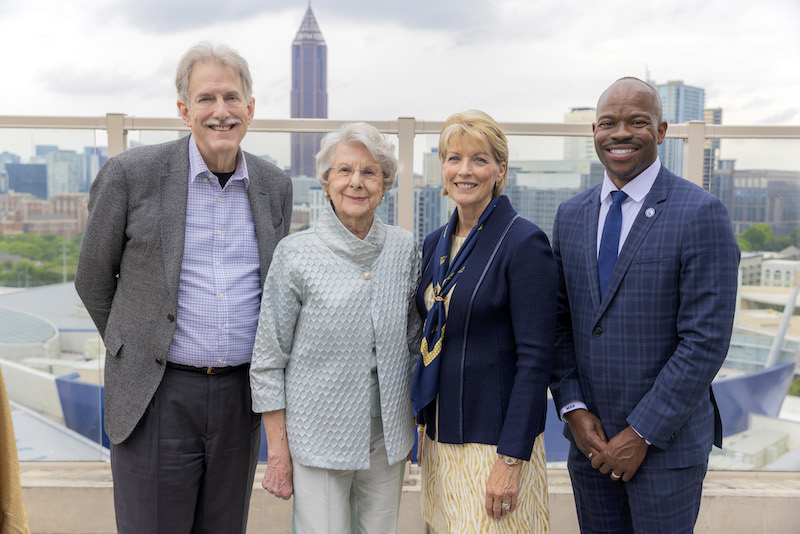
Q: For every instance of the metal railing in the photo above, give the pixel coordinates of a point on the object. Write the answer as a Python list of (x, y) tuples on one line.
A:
[(117, 126)]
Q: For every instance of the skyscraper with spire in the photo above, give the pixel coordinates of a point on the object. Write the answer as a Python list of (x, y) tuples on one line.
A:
[(309, 90)]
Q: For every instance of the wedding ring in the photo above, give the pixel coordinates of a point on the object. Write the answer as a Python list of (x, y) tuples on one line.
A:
[(506, 506), (615, 476), (591, 455)]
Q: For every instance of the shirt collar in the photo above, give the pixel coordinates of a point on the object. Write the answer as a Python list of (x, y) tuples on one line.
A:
[(637, 188), (198, 167)]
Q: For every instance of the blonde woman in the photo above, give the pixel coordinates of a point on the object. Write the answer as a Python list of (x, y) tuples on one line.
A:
[(488, 298)]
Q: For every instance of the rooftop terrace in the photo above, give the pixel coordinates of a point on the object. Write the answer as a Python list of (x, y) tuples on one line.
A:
[(76, 497)]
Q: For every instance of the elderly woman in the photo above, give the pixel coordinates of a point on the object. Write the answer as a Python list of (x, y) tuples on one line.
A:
[(335, 349), (488, 297)]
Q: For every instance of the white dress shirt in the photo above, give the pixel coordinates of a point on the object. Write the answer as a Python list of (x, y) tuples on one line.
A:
[(637, 190)]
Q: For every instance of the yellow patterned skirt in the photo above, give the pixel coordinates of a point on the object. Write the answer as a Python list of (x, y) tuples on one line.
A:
[(454, 490)]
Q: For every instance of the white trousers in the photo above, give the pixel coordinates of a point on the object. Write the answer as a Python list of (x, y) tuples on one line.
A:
[(330, 501)]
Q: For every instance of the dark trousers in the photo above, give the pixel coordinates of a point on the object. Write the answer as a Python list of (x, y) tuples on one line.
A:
[(189, 464), (655, 501)]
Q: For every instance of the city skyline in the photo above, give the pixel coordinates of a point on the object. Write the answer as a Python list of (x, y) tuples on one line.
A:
[(518, 62)]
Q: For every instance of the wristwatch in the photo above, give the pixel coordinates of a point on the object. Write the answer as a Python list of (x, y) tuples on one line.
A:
[(509, 460)]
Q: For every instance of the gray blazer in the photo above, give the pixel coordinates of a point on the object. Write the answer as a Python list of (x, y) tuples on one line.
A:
[(130, 262)]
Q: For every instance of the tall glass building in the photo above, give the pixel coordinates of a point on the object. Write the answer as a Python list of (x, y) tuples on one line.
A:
[(309, 90), (682, 103)]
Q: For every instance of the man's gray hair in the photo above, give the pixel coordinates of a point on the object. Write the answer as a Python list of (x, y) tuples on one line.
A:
[(360, 133), (220, 54)]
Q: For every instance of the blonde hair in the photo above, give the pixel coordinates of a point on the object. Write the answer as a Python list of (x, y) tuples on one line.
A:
[(480, 129)]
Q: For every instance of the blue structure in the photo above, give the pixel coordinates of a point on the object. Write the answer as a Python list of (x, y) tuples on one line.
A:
[(28, 178), (82, 404), (761, 392)]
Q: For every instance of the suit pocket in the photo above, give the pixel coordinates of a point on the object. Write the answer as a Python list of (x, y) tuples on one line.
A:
[(277, 224), (638, 260), (113, 343)]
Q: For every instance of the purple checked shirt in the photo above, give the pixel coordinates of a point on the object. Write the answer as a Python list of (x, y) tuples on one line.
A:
[(219, 294)]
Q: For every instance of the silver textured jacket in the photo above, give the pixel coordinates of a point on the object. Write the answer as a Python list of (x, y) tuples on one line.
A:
[(327, 298)]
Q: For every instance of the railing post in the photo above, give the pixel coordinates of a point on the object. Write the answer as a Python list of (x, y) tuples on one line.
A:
[(693, 152), (405, 184), (117, 135)]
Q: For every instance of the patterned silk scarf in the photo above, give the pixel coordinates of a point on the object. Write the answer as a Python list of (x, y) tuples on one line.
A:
[(445, 275)]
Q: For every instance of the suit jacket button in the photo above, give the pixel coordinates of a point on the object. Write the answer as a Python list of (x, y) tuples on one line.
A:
[(597, 331), (170, 317), (160, 361)]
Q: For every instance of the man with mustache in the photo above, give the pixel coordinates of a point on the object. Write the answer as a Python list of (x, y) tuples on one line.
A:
[(648, 264), (177, 246)]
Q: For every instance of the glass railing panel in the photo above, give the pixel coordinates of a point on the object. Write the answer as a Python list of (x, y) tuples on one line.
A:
[(54, 382), (757, 179)]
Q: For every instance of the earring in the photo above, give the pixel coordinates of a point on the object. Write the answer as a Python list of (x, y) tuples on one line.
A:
[(325, 193)]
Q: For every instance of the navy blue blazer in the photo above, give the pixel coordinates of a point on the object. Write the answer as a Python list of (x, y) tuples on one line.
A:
[(645, 355), (498, 347)]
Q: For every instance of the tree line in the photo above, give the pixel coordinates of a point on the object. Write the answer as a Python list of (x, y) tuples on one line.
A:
[(760, 237), (38, 259)]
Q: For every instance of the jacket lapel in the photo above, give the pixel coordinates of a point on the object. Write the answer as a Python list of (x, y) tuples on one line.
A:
[(649, 212), (258, 193), (591, 213), (174, 184)]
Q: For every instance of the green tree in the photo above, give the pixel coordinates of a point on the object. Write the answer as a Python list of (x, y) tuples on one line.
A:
[(761, 237), (794, 388), (43, 259), (755, 237)]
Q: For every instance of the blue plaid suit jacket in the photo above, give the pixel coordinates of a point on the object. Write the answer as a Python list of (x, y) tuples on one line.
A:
[(646, 353)]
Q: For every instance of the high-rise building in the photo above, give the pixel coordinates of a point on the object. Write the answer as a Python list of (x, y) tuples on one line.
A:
[(93, 158), (537, 187), (754, 196), (681, 103), (6, 157), (65, 172), (44, 150), (28, 178), (309, 90), (432, 168), (430, 211), (387, 210), (580, 147), (711, 147)]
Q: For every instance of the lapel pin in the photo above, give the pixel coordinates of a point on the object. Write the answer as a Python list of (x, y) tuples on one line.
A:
[(649, 212)]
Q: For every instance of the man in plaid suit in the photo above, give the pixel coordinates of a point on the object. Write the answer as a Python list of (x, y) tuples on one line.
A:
[(646, 304)]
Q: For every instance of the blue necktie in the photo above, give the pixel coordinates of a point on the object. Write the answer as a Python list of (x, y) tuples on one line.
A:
[(609, 242)]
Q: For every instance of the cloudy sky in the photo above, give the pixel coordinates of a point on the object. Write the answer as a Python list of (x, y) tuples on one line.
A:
[(519, 60)]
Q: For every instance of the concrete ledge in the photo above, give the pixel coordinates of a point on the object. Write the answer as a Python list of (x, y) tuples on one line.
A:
[(67, 498)]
